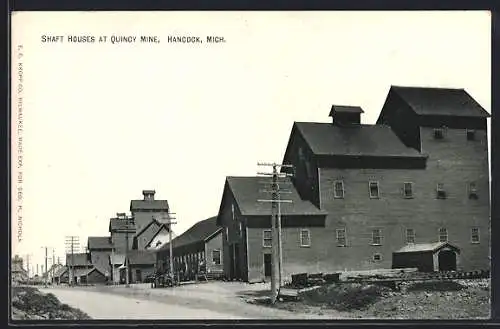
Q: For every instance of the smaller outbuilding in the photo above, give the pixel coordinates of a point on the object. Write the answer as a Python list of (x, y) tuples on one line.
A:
[(427, 257)]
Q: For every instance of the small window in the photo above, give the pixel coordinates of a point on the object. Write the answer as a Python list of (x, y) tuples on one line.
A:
[(232, 212), (267, 238), (410, 236), (438, 133), (216, 257), (472, 191), (443, 235), (373, 186), (240, 228), (408, 190), (471, 134), (377, 257), (227, 233), (440, 192), (377, 237), (338, 191), (341, 238), (474, 235), (305, 238)]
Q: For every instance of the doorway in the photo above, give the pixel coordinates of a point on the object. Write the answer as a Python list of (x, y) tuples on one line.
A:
[(447, 260), (267, 265)]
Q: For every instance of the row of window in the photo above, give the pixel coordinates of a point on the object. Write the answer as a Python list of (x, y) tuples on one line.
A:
[(374, 190), (440, 133), (305, 237), (196, 257)]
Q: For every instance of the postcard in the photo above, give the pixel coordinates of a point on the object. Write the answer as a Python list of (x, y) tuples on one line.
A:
[(250, 165)]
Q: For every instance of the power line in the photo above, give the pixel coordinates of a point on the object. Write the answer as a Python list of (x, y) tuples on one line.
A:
[(277, 252), (71, 242), (129, 225), (171, 257)]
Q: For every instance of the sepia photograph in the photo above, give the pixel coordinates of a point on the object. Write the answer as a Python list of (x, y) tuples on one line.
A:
[(233, 165)]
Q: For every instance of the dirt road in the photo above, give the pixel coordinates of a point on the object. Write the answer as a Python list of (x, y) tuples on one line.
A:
[(109, 306), (204, 301)]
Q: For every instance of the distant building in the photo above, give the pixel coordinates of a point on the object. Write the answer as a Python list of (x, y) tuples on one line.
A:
[(419, 177), (18, 273), (61, 275), (100, 248), (201, 242), (147, 209), (121, 229)]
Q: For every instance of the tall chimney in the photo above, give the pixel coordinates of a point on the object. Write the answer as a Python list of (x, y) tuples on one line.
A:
[(149, 195), (346, 115)]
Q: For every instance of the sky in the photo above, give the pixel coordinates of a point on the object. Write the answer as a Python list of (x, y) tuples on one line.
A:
[(103, 121)]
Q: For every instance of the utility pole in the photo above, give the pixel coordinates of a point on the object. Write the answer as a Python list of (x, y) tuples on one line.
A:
[(46, 267), (277, 257), (72, 242), (171, 257), (129, 225)]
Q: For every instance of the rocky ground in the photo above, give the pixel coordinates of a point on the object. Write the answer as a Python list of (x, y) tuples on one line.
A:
[(28, 303), (458, 299)]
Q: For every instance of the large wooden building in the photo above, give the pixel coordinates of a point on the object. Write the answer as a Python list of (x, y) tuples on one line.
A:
[(419, 177)]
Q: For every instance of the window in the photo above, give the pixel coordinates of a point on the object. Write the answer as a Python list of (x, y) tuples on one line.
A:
[(341, 239), (240, 228), (338, 191), (471, 134), (232, 211), (216, 256), (227, 233), (440, 192), (305, 238), (443, 235), (438, 133), (267, 238), (472, 191), (377, 237), (377, 257), (373, 186), (410, 235), (408, 190), (474, 235)]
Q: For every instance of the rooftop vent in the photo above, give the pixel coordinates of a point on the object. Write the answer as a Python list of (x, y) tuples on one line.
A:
[(149, 195), (346, 115)]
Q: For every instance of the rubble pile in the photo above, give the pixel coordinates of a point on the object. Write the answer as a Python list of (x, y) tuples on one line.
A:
[(29, 303)]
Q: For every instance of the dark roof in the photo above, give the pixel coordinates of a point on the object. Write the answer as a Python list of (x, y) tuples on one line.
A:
[(160, 205), (345, 109), (141, 257), (196, 233), (440, 101), (80, 259), (99, 242), (86, 271), (248, 190), (357, 140), (121, 224), (60, 271)]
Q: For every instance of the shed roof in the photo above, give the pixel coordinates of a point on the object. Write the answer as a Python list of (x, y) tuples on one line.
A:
[(345, 109), (141, 257), (357, 140), (197, 233), (99, 242), (440, 101), (116, 224), (159, 205), (247, 192), (426, 247), (81, 259)]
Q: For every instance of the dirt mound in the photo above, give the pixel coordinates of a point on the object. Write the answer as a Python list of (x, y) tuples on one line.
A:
[(30, 304), (345, 297)]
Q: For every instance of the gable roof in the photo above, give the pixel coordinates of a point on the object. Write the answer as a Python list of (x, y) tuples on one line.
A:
[(80, 259), (160, 243), (141, 257), (248, 190), (116, 224), (99, 242), (159, 205), (86, 271), (425, 247), (197, 233), (60, 271), (358, 140), (440, 101)]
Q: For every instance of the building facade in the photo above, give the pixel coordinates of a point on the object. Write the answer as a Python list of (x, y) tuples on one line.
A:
[(100, 248), (145, 210), (200, 244), (419, 176)]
